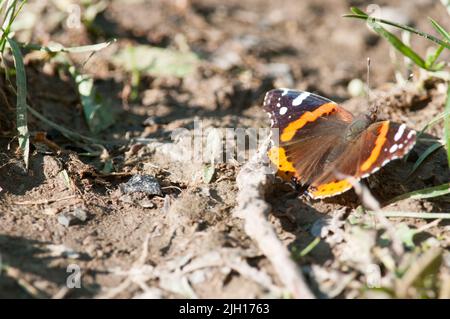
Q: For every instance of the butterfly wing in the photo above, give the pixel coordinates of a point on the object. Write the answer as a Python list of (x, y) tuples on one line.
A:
[(379, 144), (307, 128)]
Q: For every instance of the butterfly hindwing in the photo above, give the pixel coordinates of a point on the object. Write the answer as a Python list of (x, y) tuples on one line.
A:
[(379, 144), (393, 141)]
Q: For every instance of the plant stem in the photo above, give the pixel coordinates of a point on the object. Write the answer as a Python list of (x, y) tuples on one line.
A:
[(404, 27)]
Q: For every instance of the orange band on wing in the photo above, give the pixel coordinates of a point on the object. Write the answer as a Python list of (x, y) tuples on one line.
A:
[(290, 130), (379, 142), (331, 189), (278, 157)]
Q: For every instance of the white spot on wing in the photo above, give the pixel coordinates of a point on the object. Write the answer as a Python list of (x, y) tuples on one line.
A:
[(283, 110), (400, 132), (411, 134), (278, 104), (299, 99), (285, 91), (393, 148)]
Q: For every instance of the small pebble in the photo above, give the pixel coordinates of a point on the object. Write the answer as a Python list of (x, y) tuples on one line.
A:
[(141, 183), (317, 226), (77, 216), (145, 203), (281, 72), (80, 214), (356, 88)]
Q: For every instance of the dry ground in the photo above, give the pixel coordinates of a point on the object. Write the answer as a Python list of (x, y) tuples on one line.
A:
[(186, 242)]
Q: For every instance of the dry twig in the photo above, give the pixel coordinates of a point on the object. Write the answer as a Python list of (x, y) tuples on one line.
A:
[(252, 181)]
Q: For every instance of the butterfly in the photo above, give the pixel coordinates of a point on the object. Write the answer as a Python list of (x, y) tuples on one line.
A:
[(319, 144)]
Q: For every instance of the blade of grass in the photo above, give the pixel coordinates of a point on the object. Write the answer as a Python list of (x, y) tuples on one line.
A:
[(431, 140), (432, 59), (425, 193), (68, 133), (72, 135), (398, 44), (310, 247), (434, 121), (358, 14), (447, 123), (444, 33), (97, 111), (21, 107), (61, 48), (10, 16), (414, 215), (440, 29), (358, 11), (424, 155)]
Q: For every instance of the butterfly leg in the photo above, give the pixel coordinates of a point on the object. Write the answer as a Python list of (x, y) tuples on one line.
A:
[(299, 187)]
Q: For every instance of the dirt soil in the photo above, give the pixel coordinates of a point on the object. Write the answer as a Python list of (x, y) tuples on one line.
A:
[(185, 241)]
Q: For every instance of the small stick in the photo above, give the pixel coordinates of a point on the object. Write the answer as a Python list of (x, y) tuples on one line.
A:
[(370, 202), (368, 80), (252, 181), (18, 275), (44, 201)]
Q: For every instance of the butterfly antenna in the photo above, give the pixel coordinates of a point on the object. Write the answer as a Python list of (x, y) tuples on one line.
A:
[(368, 80), (373, 109)]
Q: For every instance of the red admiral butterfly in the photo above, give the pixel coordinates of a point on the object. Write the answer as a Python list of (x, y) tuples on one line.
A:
[(318, 139)]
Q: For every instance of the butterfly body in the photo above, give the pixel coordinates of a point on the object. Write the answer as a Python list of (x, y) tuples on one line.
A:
[(358, 126), (318, 142)]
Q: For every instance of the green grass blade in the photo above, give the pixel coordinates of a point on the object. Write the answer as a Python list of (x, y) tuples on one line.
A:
[(6, 18), (440, 29), (10, 15), (310, 247), (97, 111), (424, 155), (413, 215), (358, 11), (305, 251), (398, 44), (434, 121), (61, 48), (425, 193), (70, 134), (447, 124), (21, 107), (432, 59), (430, 37)]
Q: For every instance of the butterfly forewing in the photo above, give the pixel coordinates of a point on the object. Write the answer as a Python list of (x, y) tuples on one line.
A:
[(284, 105), (305, 121)]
